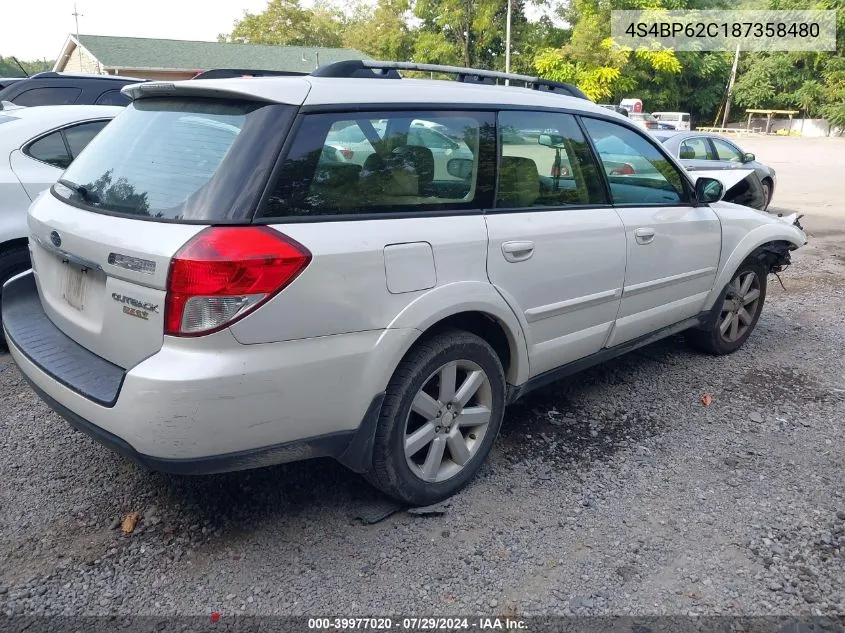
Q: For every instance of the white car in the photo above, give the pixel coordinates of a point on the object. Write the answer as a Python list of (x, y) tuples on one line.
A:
[(36, 145), (210, 291)]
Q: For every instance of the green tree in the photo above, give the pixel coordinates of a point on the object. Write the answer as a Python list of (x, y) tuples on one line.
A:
[(381, 32), (8, 67), (286, 22), (468, 32)]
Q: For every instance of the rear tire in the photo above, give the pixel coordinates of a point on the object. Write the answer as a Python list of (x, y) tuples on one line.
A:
[(13, 261), (741, 305), (441, 414)]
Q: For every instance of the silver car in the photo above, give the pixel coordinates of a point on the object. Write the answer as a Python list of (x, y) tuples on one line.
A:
[(211, 290), (706, 151)]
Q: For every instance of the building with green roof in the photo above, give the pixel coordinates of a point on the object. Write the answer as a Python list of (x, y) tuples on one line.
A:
[(150, 58)]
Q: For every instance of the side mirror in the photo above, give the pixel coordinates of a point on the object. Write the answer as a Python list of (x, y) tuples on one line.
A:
[(709, 190), (460, 168), (748, 157), (552, 140)]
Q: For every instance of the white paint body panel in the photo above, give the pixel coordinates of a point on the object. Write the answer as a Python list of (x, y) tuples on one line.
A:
[(678, 263), (568, 291)]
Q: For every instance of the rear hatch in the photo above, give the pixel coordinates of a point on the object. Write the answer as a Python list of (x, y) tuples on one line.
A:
[(104, 238)]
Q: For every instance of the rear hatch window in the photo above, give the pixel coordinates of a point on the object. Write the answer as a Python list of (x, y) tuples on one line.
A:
[(179, 160)]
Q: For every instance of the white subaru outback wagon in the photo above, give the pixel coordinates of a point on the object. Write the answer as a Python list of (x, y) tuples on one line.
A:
[(215, 288)]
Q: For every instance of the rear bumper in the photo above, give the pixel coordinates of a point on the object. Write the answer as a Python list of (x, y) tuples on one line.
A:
[(210, 404)]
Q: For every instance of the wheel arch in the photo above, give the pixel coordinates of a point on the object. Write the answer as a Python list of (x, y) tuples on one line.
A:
[(770, 242), (475, 307)]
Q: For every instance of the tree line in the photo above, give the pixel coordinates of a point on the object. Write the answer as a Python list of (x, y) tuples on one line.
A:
[(568, 42)]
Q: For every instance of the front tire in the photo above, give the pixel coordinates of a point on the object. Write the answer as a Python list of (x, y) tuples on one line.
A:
[(741, 305), (441, 414), (767, 194)]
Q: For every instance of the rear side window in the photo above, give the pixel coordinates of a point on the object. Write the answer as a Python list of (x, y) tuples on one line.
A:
[(363, 163), (694, 148), (48, 96), (180, 159), (545, 162), (50, 149), (637, 172), (113, 97), (79, 136)]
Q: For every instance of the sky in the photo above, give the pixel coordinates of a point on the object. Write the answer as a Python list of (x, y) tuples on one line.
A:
[(35, 29)]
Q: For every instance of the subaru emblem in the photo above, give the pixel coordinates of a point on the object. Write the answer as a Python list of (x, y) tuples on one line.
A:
[(55, 238)]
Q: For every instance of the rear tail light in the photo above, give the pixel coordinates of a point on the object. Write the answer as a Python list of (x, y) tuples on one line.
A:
[(347, 153), (560, 171), (625, 170), (224, 273)]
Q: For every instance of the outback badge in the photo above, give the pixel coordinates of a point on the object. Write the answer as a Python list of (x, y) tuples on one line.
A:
[(134, 307)]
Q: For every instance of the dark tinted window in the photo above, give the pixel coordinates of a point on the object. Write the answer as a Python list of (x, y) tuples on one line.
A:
[(79, 136), (545, 162), (113, 97), (385, 162), (638, 173), (181, 159), (47, 96), (50, 149)]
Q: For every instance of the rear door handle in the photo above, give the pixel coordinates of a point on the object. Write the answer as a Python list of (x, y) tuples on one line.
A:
[(517, 251), (644, 235)]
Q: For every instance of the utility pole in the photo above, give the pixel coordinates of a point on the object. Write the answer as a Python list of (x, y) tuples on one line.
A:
[(76, 15), (730, 88), (508, 43)]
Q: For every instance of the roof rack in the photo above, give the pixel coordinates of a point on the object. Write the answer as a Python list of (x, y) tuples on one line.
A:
[(359, 68), (228, 73)]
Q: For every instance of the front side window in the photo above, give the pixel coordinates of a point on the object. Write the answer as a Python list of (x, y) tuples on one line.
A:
[(179, 159), (637, 172), (694, 149), (726, 151), (545, 162), (341, 164)]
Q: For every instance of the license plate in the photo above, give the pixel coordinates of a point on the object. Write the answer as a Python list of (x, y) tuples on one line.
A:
[(75, 286)]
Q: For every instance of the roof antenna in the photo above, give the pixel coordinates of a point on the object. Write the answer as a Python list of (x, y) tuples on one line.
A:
[(76, 15), (20, 66)]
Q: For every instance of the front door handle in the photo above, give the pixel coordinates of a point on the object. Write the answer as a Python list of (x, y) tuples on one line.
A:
[(517, 251), (644, 235)]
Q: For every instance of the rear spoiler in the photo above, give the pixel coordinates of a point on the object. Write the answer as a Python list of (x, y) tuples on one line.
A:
[(229, 73)]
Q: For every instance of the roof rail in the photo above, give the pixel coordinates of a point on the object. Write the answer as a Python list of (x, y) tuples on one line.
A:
[(359, 68), (228, 73)]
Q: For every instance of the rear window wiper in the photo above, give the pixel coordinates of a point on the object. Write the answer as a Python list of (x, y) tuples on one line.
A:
[(86, 194)]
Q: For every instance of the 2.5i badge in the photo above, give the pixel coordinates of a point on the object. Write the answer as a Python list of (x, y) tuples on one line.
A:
[(134, 307)]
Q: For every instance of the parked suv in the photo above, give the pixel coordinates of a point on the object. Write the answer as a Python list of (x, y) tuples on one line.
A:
[(52, 88), (211, 290)]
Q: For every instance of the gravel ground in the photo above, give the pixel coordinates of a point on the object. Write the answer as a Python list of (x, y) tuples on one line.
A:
[(616, 492)]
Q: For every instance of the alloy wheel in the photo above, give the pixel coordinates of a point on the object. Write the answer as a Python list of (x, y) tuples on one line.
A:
[(448, 420), (740, 306)]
